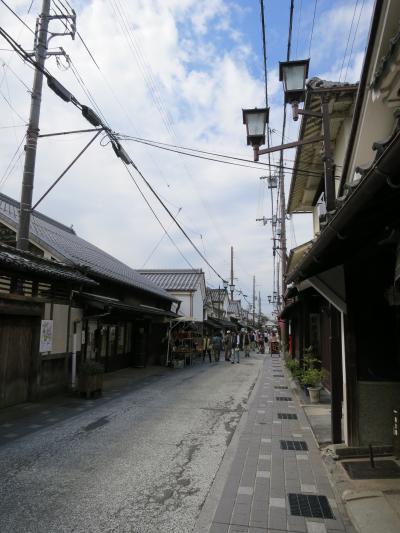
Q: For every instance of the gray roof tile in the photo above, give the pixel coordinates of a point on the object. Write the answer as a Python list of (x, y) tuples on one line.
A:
[(65, 245), (12, 260), (174, 280)]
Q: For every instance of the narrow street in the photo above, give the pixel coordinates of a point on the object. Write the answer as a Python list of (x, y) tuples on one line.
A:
[(141, 459)]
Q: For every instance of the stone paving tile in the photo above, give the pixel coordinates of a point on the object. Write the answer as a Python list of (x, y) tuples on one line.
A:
[(255, 497)]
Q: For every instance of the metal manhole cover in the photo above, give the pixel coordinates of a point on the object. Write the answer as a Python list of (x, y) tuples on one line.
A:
[(278, 376), (298, 445), (310, 506), (283, 399), (287, 416), (384, 469), (280, 387)]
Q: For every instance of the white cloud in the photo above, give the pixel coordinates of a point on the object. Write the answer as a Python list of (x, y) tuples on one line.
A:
[(168, 78)]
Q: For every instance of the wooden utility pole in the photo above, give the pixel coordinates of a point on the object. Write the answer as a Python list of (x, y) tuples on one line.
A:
[(259, 308), (32, 133), (254, 300), (232, 285)]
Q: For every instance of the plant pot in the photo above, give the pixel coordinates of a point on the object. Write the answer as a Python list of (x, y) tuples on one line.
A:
[(90, 383), (314, 393)]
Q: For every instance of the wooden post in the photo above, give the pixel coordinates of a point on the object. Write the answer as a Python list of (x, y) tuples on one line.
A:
[(336, 375)]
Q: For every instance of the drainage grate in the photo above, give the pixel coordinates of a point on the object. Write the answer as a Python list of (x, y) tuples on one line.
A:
[(310, 506), (287, 416), (381, 470), (278, 376), (298, 445), (283, 399), (280, 387)]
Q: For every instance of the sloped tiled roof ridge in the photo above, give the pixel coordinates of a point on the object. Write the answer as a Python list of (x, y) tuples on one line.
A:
[(65, 245), (174, 279)]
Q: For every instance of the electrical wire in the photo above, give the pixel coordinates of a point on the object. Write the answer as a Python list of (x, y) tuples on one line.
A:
[(354, 38), (5, 65), (176, 221), (23, 54), (9, 167), (155, 214), (312, 28), (158, 243), (298, 27), (18, 17), (7, 101), (348, 40), (260, 166)]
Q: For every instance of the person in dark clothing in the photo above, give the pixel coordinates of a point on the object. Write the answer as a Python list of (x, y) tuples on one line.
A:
[(246, 344)]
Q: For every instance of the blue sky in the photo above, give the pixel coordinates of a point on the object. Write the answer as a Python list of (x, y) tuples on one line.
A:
[(177, 71)]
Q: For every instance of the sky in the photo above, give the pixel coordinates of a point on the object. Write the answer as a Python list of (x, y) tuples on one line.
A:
[(177, 72)]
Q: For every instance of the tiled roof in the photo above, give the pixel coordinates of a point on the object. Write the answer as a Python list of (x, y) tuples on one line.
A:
[(234, 307), (64, 244), (174, 280), (18, 261), (217, 295)]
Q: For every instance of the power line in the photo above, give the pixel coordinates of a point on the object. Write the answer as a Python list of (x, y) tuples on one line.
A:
[(8, 170), (354, 38), (154, 213), (158, 243), (12, 107), (18, 17), (260, 166), (112, 136), (312, 28), (298, 27), (176, 221), (348, 40)]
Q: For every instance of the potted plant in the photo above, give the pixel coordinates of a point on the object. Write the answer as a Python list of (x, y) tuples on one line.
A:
[(312, 378), (294, 366), (90, 378)]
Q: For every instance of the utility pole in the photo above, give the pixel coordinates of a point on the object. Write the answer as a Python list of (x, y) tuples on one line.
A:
[(32, 133), (283, 226), (259, 308), (232, 287), (254, 300)]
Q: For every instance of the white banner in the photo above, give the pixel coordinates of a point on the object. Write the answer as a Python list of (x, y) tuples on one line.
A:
[(46, 336)]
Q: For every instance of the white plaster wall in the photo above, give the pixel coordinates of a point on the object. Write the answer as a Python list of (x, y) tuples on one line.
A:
[(184, 298), (198, 305)]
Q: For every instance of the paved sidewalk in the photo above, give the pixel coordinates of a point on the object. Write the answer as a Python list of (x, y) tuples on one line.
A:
[(265, 481)]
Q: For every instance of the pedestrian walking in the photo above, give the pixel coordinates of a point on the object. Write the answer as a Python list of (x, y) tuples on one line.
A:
[(216, 347), (237, 345), (206, 347), (253, 341), (227, 346), (246, 344)]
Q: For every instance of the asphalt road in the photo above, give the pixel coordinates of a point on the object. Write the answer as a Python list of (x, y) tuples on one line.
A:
[(141, 462)]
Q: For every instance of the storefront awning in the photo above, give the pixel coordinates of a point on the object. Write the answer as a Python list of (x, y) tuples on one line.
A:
[(106, 304)]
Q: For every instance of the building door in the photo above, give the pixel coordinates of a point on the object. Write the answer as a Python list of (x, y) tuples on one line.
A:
[(140, 343), (18, 348)]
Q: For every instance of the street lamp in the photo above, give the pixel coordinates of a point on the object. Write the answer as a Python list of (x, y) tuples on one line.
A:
[(225, 284), (255, 121), (294, 75)]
